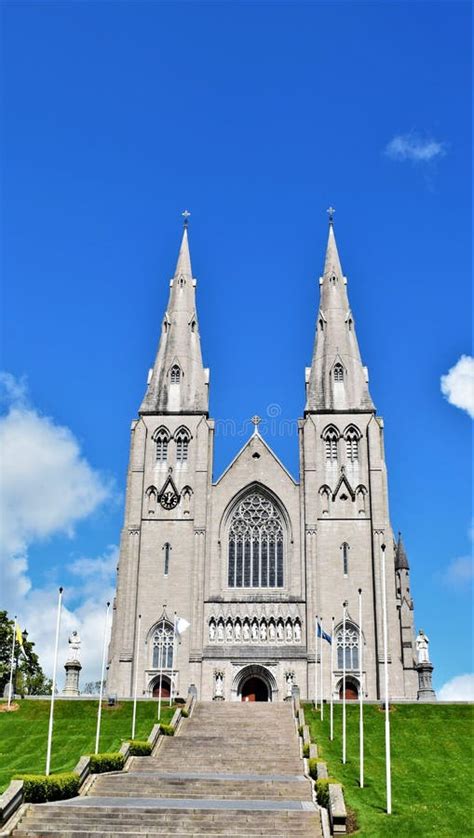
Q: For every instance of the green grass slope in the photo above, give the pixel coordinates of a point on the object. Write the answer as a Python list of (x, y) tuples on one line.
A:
[(432, 762), (23, 734)]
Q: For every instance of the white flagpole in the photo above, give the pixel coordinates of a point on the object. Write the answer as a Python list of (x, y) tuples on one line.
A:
[(162, 649), (55, 666), (316, 662), (361, 697), (135, 685), (388, 768), (12, 663), (322, 672), (331, 687), (101, 692), (172, 661), (344, 606)]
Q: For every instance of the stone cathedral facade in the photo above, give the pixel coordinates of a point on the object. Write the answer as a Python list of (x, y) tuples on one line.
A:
[(250, 558)]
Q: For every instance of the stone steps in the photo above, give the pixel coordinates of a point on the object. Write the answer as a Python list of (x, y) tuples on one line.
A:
[(135, 785)]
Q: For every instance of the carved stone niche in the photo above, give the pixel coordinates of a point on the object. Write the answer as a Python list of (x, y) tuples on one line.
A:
[(218, 685)]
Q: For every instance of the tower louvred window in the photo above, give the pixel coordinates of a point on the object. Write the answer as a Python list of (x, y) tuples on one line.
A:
[(175, 374), (161, 441), (338, 373), (256, 544), (182, 437), (330, 444), (352, 445)]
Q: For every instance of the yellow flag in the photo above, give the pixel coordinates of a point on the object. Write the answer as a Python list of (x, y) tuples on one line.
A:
[(19, 639)]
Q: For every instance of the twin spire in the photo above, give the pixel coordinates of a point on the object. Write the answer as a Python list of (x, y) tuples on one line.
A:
[(337, 380)]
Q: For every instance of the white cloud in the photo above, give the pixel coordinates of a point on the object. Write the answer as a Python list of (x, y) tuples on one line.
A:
[(459, 573), (47, 487), (458, 384), (415, 148), (460, 688)]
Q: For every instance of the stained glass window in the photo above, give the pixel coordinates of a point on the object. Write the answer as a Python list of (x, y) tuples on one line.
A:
[(256, 544)]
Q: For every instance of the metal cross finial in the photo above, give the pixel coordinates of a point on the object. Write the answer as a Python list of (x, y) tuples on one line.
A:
[(186, 215), (331, 212), (256, 422)]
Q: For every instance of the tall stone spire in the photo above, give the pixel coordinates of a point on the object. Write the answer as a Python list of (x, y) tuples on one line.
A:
[(178, 382), (337, 380)]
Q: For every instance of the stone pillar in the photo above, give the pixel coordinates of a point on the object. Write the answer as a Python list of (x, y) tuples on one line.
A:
[(73, 669), (425, 686)]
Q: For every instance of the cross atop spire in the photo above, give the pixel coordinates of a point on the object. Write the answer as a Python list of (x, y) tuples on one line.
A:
[(330, 211), (186, 215)]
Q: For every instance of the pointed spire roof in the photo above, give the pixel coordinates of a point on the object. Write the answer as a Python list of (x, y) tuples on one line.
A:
[(337, 380), (401, 559), (178, 382)]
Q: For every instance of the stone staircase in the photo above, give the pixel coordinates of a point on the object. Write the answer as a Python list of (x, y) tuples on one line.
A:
[(232, 770)]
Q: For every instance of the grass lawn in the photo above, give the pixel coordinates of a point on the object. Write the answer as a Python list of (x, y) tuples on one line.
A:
[(432, 767), (23, 734)]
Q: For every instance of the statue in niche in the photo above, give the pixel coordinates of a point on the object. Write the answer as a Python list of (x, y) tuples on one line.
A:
[(218, 685), (151, 494), (263, 630), (280, 630), (289, 631), (290, 680), (254, 630), (421, 645), (271, 631), (212, 630), (237, 630), (220, 630), (297, 631), (246, 630), (229, 631), (186, 500)]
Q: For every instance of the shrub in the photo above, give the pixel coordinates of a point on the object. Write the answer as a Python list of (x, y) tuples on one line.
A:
[(306, 750), (184, 713), (322, 791), (300, 730), (106, 762), (312, 763), (38, 788), (140, 748), (167, 730)]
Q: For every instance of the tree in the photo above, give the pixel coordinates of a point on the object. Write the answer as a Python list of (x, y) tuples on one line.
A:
[(28, 676)]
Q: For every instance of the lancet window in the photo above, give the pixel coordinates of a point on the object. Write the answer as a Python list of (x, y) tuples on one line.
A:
[(338, 372), (163, 646), (161, 437), (167, 550), (175, 374), (330, 437), (352, 445), (348, 644), (256, 544), (182, 437), (345, 558)]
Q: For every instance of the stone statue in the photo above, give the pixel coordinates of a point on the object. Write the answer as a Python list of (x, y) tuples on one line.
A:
[(289, 631), (74, 646), (290, 680), (246, 631), (280, 630), (219, 688), (229, 631), (263, 631), (421, 645), (254, 630), (297, 631), (220, 630), (237, 630), (212, 630), (271, 631)]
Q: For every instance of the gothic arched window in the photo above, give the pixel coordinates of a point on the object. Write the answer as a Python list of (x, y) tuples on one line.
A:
[(256, 544), (338, 372), (163, 646), (352, 437), (182, 437), (161, 438), (330, 436), (175, 374), (348, 643)]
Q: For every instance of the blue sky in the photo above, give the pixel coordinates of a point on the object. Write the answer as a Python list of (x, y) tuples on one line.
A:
[(116, 117)]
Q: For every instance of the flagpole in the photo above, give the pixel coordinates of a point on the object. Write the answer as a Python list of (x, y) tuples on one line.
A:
[(135, 685), (331, 689), (12, 663), (322, 672), (55, 666), (172, 661), (101, 692), (316, 662), (161, 663), (361, 697), (344, 606), (388, 768)]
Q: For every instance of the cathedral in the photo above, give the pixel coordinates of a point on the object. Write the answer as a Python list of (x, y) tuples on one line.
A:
[(253, 558)]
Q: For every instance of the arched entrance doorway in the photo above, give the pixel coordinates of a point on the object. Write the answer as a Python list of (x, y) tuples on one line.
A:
[(352, 690), (254, 689), (165, 687)]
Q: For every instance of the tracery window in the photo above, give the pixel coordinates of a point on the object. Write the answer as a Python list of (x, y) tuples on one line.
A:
[(348, 643), (163, 646), (175, 374), (161, 437), (256, 544), (352, 445), (182, 437), (330, 437), (338, 372)]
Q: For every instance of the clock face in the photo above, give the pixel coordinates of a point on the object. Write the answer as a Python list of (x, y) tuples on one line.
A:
[(169, 499)]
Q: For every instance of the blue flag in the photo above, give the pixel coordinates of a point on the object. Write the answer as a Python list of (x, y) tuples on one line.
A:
[(322, 633)]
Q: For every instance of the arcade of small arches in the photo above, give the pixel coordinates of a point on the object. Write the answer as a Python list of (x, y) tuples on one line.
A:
[(254, 629)]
